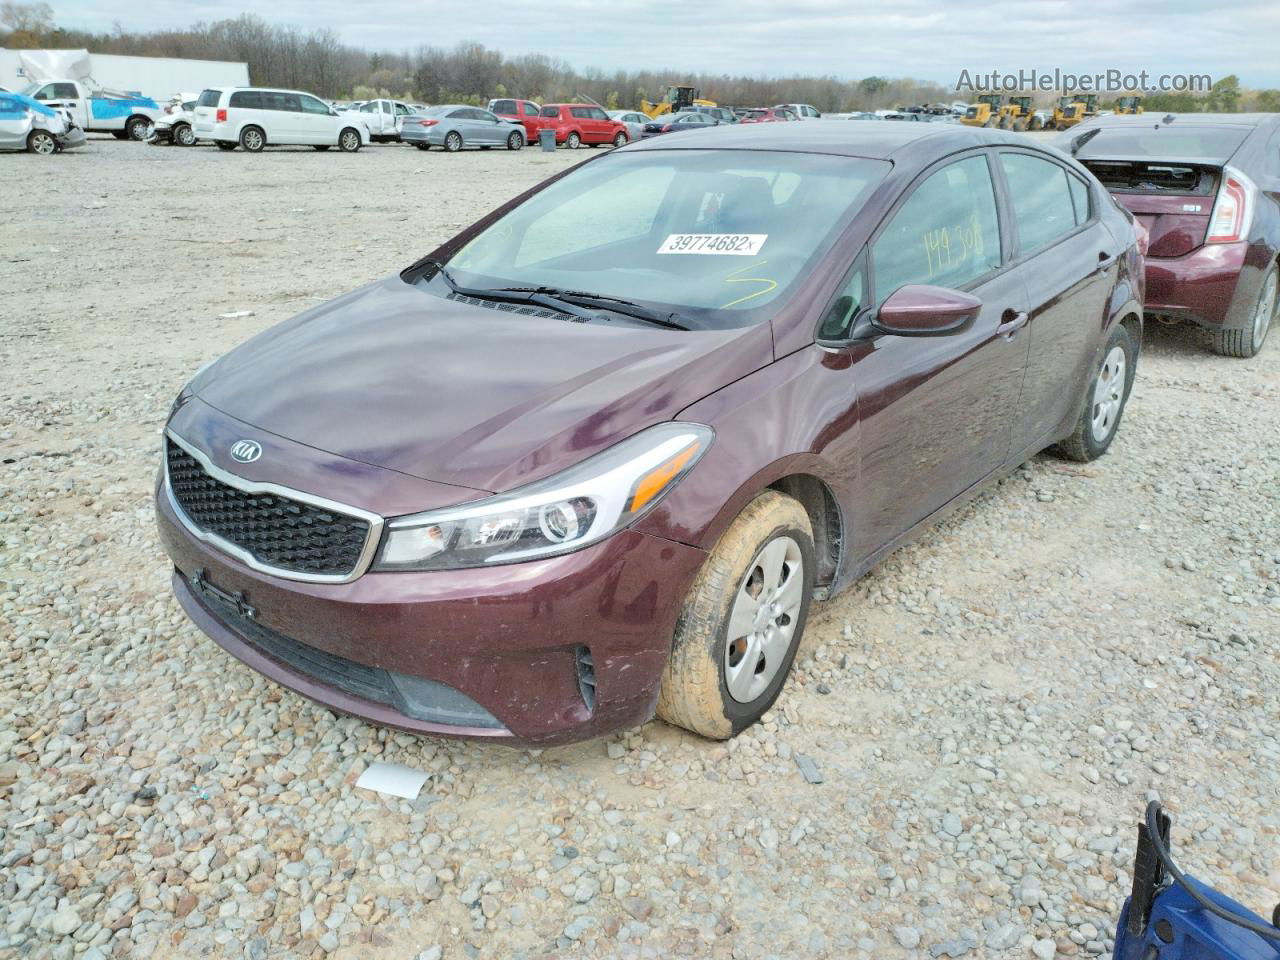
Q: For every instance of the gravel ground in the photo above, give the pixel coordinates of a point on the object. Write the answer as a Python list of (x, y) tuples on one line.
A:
[(989, 710)]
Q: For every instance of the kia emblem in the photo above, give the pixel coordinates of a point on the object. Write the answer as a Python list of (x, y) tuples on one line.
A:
[(245, 451)]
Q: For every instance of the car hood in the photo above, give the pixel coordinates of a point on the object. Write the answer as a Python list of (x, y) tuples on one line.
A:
[(396, 377)]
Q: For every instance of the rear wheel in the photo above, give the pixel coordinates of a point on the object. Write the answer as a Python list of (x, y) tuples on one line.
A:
[(253, 139), (42, 142), (620, 140), (225, 144), (183, 135), (1247, 342), (742, 621), (515, 141), (453, 142), (136, 128), (1105, 401), (573, 141), (349, 140)]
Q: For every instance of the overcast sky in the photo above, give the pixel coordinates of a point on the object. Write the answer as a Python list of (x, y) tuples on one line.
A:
[(926, 39)]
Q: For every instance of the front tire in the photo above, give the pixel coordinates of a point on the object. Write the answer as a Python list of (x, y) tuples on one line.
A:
[(742, 621), (573, 141), (349, 140), (515, 141), (253, 139), (1246, 343), (183, 135), (620, 140), (42, 142), (1105, 400)]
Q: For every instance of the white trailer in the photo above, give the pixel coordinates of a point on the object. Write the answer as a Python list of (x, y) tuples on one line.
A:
[(158, 78)]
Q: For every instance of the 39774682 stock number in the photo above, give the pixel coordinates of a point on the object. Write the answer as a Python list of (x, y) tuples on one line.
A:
[(734, 244)]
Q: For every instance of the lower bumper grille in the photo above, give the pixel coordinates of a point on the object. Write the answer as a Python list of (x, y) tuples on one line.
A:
[(415, 697)]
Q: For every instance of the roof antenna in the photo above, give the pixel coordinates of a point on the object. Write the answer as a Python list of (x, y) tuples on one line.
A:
[(1084, 138)]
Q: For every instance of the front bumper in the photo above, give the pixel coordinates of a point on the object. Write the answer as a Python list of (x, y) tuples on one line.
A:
[(510, 639), (160, 133), (1202, 286)]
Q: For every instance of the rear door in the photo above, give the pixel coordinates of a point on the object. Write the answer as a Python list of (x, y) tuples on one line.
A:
[(206, 109), (1069, 262)]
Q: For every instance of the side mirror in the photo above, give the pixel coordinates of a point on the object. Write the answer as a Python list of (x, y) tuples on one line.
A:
[(920, 310)]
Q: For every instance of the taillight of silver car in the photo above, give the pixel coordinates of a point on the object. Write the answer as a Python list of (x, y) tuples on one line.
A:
[(1233, 210)]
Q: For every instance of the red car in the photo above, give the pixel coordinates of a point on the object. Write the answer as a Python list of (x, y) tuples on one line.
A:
[(770, 115), (524, 112), (571, 469), (576, 124), (1207, 188)]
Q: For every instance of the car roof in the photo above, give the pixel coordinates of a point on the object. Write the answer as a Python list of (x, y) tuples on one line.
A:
[(876, 142), (264, 90), (1156, 117)]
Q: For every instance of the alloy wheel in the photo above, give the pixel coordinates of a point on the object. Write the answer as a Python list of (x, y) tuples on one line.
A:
[(186, 136), (762, 619), (252, 140), (1266, 309), (43, 143), (453, 142), (1108, 394)]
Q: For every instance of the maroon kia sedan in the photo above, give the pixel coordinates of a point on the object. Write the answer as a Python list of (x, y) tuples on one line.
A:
[(1207, 189), (594, 457)]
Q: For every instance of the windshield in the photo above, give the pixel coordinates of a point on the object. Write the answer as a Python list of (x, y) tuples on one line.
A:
[(713, 235), (1209, 144)]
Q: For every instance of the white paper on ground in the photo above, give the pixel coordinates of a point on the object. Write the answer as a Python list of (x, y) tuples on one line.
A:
[(393, 778)]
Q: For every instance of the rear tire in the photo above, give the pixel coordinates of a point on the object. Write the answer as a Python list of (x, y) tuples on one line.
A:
[(621, 140), (225, 144), (253, 139), (767, 552), (515, 141), (1105, 400), (1246, 343), (453, 142), (42, 142), (349, 140), (573, 141), (136, 128)]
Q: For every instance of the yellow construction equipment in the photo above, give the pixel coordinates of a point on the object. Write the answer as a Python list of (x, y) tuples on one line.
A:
[(1129, 105), (984, 113), (678, 98), (1071, 110), (1018, 114)]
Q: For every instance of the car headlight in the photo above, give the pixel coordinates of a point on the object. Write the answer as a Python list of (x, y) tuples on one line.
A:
[(563, 513), (186, 393)]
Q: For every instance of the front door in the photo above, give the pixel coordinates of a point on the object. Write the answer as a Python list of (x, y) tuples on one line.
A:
[(67, 96), (935, 413)]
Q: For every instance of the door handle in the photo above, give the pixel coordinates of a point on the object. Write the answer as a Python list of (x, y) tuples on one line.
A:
[(1011, 322), (1105, 259)]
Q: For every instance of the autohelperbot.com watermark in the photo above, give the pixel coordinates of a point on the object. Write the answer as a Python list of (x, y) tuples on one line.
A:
[(1107, 81)]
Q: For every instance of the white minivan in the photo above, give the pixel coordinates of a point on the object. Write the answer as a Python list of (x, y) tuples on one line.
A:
[(256, 117)]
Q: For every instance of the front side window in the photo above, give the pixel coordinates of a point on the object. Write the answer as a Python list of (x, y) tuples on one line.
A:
[(837, 322), (370, 107), (486, 115), (314, 105), (597, 114), (712, 235), (1042, 204), (945, 234), (402, 110), (531, 109)]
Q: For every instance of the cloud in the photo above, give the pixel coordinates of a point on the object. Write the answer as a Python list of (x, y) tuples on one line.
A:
[(925, 39)]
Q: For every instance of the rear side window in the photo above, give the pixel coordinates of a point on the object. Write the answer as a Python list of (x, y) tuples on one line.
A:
[(210, 98), (1079, 197), (582, 113), (551, 111), (245, 99), (460, 115), (504, 106), (946, 233), (1042, 204)]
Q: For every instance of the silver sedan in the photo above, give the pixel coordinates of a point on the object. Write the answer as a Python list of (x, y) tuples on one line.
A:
[(634, 119), (455, 126)]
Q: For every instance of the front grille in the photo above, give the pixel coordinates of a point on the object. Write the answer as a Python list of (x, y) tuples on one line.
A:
[(416, 697), (276, 531)]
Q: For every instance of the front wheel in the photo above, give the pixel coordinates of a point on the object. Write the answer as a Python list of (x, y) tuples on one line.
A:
[(1105, 401), (349, 141), (573, 141), (620, 140), (742, 621), (1247, 342), (42, 142), (183, 135), (515, 141)]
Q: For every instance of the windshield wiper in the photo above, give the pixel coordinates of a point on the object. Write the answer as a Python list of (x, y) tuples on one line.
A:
[(628, 308), (514, 295)]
